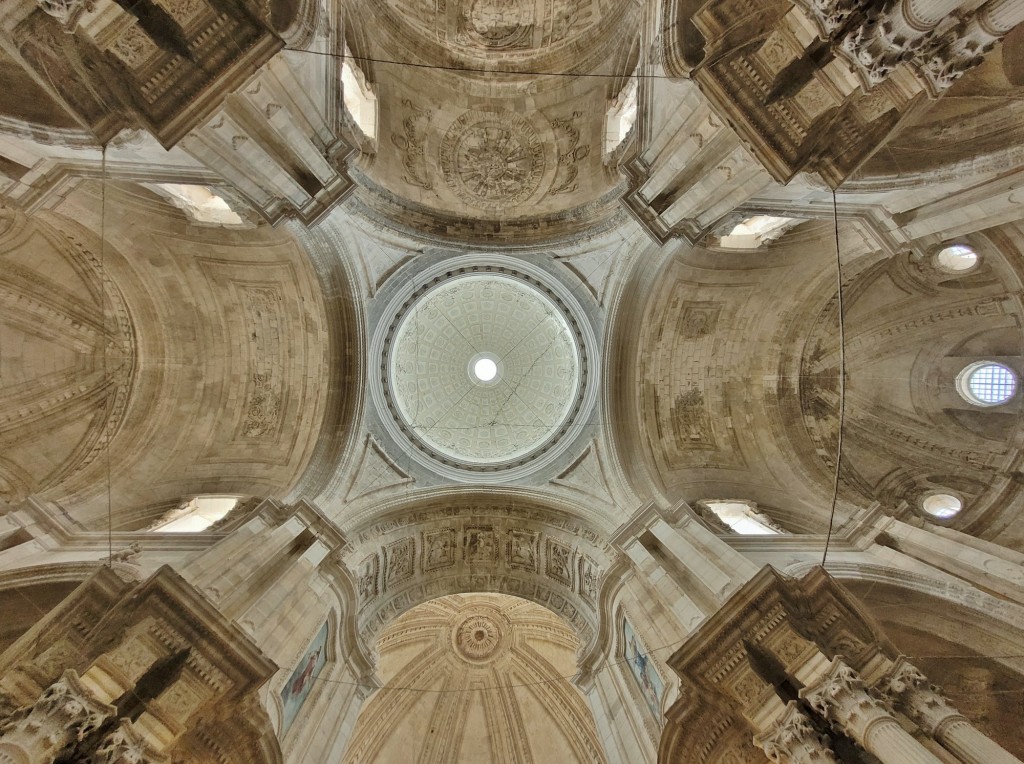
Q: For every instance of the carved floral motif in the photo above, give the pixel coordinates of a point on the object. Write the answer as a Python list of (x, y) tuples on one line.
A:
[(478, 638), (492, 160), (410, 143)]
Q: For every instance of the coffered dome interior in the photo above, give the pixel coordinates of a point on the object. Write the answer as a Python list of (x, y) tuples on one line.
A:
[(450, 337)]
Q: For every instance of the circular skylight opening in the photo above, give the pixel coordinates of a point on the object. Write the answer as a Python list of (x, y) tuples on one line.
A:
[(485, 369), (956, 258), (986, 383), (942, 505)]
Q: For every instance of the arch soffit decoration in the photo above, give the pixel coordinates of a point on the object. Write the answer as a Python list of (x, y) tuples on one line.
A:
[(455, 542)]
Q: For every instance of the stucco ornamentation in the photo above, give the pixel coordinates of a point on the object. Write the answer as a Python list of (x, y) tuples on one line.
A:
[(478, 638), (492, 160)]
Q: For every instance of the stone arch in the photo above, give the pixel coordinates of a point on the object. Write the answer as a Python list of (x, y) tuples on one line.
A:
[(951, 603), (28, 594), (478, 541), (958, 642)]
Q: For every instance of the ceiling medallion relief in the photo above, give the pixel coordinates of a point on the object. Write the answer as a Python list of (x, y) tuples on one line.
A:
[(492, 160), (486, 368), (480, 637)]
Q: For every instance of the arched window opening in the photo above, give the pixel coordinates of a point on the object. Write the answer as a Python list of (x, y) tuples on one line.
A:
[(197, 514), (941, 506), (200, 203), (621, 116), (359, 97), (956, 258), (986, 383), (740, 517), (757, 230)]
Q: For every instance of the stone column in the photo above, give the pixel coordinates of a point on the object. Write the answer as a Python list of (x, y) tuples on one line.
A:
[(793, 740), (841, 697), (964, 47), (928, 709)]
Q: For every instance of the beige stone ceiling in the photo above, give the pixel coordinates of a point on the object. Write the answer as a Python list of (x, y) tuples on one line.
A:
[(216, 372), (471, 146), (476, 678), (235, 372), (737, 367)]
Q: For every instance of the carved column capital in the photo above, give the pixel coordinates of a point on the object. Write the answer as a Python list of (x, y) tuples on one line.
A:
[(64, 711), (67, 12), (793, 740), (841, 696), (126, 746), (922, 702)]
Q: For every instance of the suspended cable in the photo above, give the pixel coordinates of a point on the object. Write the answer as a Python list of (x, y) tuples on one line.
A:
[(842, 382), (480, 70), (107, 387)]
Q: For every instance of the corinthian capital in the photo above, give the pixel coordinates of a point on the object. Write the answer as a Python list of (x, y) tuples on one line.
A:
[(912, 694), (793, 740)]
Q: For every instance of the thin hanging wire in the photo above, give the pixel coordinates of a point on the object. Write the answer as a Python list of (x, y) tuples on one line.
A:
[(842, 383), (108, 392)]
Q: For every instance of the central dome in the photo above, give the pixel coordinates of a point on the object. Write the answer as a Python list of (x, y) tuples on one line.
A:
[(483, 369)]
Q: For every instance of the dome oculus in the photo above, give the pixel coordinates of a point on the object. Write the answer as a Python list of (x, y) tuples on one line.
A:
[(956, 258), (483, 369)]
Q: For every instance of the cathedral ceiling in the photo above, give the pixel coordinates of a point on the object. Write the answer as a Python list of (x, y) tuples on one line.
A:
[(477, 678), (719, 379), (216, 377), (738, 368), (469, 148)]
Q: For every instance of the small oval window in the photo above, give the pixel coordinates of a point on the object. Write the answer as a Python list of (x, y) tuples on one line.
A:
[(986, 383), (942, 505), (956, 258)]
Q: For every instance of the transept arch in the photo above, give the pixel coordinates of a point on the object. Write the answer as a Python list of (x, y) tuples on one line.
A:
[(471, 541)]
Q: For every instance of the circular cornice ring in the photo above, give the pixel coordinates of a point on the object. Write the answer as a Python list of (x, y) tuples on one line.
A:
[(531, 277)]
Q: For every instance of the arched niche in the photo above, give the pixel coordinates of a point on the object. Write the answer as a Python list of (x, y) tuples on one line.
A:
[(974, 659)]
